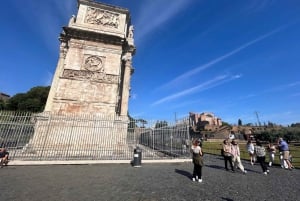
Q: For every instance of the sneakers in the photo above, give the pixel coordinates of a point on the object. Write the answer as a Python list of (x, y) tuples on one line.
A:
[(265, 173), (245, 172), (270, 164), (268, 171), (199, 180)]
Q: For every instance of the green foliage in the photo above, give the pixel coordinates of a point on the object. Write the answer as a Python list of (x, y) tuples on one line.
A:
[(2, 104), (34, 100), (143, 122), (131, 124), (226, 124), (287, 133), (295, 125), (160, 124)]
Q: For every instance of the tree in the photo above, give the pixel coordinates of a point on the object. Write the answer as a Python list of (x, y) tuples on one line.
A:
[(32, 101), (143, 122), (240, 122), (160, 124), (2, 104), (295, 125), (131, 124)]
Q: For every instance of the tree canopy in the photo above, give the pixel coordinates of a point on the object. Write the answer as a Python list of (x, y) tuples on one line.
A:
[(32, 101)]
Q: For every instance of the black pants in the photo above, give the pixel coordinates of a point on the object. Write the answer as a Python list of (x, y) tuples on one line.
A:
[(226, 160), (197, 171), (262, 162)]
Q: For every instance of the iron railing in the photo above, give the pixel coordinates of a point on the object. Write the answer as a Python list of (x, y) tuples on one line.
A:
[(46, 136)]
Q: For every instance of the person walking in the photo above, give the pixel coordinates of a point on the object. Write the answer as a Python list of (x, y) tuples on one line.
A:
[(236, 159), (272, 151), (197, 160), (250, 149), (260, 153), (227, 154), (284, 147)]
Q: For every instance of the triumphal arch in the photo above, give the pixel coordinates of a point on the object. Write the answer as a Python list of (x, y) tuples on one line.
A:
[(91, 84)]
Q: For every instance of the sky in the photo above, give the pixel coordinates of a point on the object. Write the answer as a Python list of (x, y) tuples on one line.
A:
[(233, 58)]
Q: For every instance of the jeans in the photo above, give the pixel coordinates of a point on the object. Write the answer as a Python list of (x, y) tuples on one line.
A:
[(262, 161), (197, 171), (228, 159)]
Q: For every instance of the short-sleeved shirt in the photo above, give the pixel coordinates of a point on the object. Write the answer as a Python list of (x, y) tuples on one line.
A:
[(260, 151), (283, 146), (196, 149)]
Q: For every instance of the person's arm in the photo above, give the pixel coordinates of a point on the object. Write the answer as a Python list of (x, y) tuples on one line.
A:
[(238, 151)]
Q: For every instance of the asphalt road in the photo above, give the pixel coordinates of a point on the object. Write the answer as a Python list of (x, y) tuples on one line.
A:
[(151, 182)]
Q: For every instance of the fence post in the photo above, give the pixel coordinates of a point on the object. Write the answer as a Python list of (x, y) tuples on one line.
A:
[(47, 131)]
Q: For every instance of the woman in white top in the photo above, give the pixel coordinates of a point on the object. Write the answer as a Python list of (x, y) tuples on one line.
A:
[(236, 160), (250, 149), (197, 160)]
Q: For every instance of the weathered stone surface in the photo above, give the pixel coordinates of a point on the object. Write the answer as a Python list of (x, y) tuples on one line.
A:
[(94, 67), (92, 77)]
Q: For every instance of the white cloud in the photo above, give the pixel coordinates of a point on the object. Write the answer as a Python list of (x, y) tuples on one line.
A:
[(204, 86), (155, 13), (221, 58)]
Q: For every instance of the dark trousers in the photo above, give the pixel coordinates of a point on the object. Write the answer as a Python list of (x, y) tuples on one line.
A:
[(226, 160), (197, 171), (262, 161)]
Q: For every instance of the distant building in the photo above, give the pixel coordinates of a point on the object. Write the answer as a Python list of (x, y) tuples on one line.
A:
[(205, 120), (4, 96)]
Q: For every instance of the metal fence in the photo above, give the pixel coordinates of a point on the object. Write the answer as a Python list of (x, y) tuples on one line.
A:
[(45, 136)]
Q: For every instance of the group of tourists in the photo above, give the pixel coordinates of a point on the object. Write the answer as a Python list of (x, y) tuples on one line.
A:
[(258, 153), (232, 156)]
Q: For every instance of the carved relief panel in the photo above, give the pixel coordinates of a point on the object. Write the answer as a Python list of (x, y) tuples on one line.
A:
[(92, 69), (94, 63), (102, 17)]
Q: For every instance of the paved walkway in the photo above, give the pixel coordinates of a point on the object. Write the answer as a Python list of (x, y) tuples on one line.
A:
[(151, 182)]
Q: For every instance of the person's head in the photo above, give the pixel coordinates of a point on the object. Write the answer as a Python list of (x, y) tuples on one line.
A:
[(234, 142), (258, 142), (196, 142), (280, 139), (2, 149)]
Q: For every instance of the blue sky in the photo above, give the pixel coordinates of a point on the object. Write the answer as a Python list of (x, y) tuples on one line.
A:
[(229, 57)]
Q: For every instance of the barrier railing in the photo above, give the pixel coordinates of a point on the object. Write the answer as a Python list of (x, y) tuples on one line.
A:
[(45, 136)]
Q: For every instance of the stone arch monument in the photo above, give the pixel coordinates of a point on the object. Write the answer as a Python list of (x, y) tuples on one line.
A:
[(94, 68), (92, 77)]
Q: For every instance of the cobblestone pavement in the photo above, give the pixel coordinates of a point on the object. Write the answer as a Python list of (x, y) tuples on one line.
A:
[(151, 182)]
